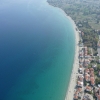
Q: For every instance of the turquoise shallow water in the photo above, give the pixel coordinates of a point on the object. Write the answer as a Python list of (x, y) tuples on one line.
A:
[(36, 51)]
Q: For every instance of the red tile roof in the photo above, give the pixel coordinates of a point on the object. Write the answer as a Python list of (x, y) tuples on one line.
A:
[(91, 69), (87, 70), (92, 80)]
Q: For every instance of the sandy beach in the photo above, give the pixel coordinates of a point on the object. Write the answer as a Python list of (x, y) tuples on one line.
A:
[(72, 83), (74, 73), (73, 77)]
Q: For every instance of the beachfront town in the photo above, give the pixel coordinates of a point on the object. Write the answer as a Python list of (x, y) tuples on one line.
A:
[(85, 77), (88, 75)]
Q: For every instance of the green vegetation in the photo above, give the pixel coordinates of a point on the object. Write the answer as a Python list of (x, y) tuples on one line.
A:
[(98, 67), (90, 92), (97, 58), (90, 38), (97, 81), (85, 83), (86, 15), (83, 12)]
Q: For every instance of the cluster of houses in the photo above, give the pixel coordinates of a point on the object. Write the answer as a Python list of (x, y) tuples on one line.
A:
[(89, 76), (78, 91), (86, 86), (97, 92), (85, 75), (84, 57)]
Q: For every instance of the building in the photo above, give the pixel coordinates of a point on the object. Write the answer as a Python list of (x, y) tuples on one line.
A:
[(87, 97), (80, 78), (87, 71), (94, 66), (79, 84), (76, 96), (80, 70), (98, 94), (77, 93), (92, 80), (99, 73), (87, 77), (88, 88)]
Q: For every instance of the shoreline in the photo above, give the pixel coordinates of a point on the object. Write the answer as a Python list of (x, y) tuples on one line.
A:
[(73, 76)]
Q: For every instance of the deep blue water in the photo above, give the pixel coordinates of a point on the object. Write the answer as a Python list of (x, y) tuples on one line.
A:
[(36, 51)]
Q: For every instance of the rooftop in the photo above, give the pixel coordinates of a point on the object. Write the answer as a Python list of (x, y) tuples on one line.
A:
[(88, 88)]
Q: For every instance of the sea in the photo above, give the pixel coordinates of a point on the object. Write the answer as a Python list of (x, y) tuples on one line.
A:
[(37, 47)]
